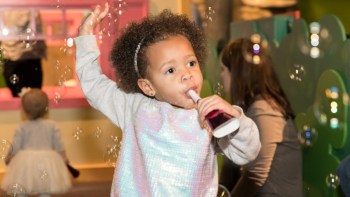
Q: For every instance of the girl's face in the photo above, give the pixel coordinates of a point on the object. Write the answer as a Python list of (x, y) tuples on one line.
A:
[(173, 70), (226, 78)]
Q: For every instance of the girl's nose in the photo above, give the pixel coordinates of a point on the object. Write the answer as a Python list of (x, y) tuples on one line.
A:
[(187, 75)]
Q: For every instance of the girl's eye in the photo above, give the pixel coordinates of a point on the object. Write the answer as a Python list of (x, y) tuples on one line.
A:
[(170, 71), (192, 63)]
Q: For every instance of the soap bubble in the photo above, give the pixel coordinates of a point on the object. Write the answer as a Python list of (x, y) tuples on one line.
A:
[(296, 72), (14, 79), (77, 133), (15, 190), (223, 191), (112, 151), (98, 132), (5, 149)]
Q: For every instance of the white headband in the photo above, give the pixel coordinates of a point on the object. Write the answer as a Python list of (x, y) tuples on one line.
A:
[(135, 58)]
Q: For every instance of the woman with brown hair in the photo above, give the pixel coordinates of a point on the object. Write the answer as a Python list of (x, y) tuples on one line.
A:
[(249, 78)]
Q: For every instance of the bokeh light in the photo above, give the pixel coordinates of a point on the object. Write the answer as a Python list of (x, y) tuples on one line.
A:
[(5, 31), (315, 52), (327, 110), (334, 123), (296, 72), (251, 53), (332, 181), (307, 136), (345, 99), (320, 112), (334, 107), (332, 92), (315, 27), (70, 42), (314, 40)]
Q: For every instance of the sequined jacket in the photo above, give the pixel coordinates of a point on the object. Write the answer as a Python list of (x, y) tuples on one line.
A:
[(165, 152)]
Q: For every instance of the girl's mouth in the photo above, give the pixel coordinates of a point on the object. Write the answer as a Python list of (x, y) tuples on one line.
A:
[(188, 90), (194, 96)]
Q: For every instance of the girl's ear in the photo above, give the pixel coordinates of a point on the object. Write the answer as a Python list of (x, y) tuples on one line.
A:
[(146, 86)]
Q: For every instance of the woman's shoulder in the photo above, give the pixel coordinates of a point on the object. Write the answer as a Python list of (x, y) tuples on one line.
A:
[(263, 107)]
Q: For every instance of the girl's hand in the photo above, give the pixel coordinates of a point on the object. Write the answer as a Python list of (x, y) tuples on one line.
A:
[(214, 102), (90, 22)]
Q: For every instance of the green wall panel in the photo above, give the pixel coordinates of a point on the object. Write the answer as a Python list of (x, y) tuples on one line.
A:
[(314, 10), (318, 92)]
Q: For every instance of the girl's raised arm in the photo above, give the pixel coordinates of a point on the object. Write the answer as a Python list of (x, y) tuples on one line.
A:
[(93, 19)]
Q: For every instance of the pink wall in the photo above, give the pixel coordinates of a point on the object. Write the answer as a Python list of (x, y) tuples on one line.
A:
[(136, 9)]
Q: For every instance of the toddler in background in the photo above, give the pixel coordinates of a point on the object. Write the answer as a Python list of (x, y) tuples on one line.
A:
[(167, 149), (37, 162)]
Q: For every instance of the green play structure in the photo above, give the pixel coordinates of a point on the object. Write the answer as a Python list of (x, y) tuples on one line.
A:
[(315, 77)]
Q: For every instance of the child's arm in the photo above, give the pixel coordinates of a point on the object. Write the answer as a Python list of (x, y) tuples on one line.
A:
[(215, 102), (64, 156), (242, 146), (92, 20), (16, 146), (101, 92)]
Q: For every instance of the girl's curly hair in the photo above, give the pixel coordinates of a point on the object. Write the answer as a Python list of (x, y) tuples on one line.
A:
[(150, 30)]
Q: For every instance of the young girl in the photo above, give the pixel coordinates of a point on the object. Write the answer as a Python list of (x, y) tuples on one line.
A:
[(37, 162), (249, 78), (165, 150)]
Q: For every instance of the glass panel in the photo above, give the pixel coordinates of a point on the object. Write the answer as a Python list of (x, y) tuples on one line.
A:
[(48, 34), (53, 23)]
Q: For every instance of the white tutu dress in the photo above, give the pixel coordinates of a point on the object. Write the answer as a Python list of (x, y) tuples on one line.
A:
[(37, 171), (37, 166)]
